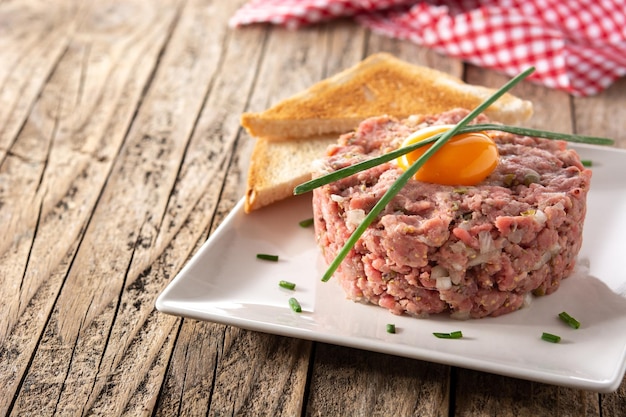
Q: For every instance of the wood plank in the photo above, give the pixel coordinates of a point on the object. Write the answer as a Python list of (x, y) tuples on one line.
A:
[(183, 371), (152, 162), (359, 383), (415, 54), (29, 53), (552, 108), (483, 394), (614, 404), (215, 373), (291, 62), (23, 157), (346, 46), (200, 169), (603, 114), (260, 374), (88, 105), (219, 370), (39, 374)]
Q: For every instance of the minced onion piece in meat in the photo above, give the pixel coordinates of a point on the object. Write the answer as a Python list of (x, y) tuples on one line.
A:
[(479, 259), (542, 261), (516, 235), (443, 283), (486, 242), (460, 315), (355, 216), (540, 217), (528, 299), (441, 277), (439, 271)]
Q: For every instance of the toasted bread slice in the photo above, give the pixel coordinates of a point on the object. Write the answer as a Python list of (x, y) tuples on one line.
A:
[(381, 84), (277, 167)]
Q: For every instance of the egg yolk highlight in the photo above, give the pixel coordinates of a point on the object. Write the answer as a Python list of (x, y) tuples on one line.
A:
[(466, 159)]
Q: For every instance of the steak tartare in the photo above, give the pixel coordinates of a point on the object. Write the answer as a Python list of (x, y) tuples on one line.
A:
[(471, 251)]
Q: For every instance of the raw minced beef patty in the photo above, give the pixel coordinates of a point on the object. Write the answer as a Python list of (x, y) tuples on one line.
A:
[(472, 251)]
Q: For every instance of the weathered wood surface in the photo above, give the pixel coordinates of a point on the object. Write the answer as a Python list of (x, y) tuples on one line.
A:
[(120, 152)]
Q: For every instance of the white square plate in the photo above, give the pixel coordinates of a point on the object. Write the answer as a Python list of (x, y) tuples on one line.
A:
[(225, 283)]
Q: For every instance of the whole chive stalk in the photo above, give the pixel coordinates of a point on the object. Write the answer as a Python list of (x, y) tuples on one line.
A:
[(306, 222), (391, 328), (267, 257), (295, 305), (537, 133), (452, 335), (410, 172), (549, 337), (571, 321), (390, 156), (287, 285)]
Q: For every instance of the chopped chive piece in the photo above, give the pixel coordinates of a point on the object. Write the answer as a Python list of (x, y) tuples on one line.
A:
[(295, 305), (306, 222), (552, 338), (453, 335), (571, 321), (586, 162), (391, 328), (287, 285), (266, 257)]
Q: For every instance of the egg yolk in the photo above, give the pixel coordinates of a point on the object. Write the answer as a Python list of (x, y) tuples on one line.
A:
[(466, 159)]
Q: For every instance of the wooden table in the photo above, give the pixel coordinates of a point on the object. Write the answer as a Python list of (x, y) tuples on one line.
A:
[(121, 151)]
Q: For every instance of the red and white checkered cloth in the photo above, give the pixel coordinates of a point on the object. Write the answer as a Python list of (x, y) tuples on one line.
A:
[(576, 46)]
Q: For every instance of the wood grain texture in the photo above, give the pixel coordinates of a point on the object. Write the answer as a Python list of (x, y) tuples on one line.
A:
[(28, 57), (64, 152), (482, 394), (603, 114), (121, 153), (552, 109), (353, 382)]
